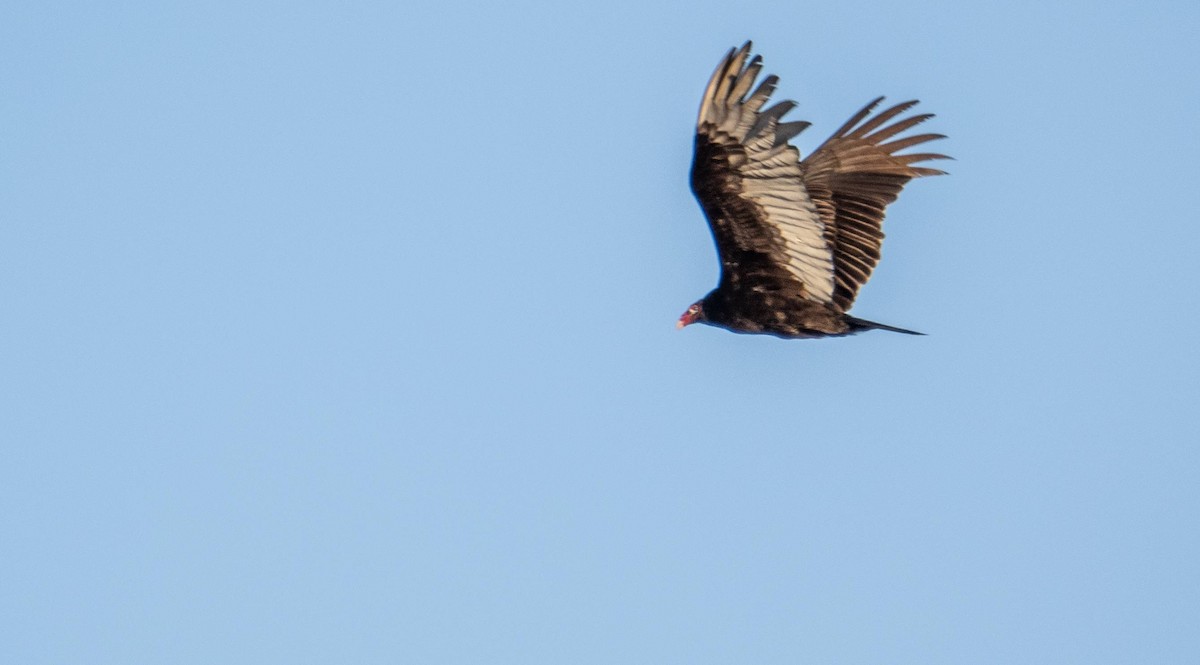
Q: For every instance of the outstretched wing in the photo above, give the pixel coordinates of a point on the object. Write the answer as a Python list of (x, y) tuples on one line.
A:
[(769, 233), (852, 178)]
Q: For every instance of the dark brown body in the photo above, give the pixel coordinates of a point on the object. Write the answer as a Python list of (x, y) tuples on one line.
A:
[(783, 316)]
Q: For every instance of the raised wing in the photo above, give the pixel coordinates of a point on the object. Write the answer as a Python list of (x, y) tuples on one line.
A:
[(748, 179), (852, 178)]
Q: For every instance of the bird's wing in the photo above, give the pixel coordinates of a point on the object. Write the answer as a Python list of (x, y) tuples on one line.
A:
[(748, 180), (852, 178)]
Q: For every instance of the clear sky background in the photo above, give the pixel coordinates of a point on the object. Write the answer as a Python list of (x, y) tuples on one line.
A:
[(344, 333)]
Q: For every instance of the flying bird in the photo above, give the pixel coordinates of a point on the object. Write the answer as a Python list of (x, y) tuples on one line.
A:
[(796, 238)]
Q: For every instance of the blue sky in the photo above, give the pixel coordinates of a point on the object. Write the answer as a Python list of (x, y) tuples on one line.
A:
[(345, 333)]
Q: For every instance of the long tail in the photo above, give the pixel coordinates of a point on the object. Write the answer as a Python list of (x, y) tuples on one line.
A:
[(863, 324)]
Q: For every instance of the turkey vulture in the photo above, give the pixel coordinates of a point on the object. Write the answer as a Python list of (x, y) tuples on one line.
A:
[(797, 238)]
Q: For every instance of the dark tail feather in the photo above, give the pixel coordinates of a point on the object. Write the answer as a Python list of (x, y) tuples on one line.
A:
[(862, 324)]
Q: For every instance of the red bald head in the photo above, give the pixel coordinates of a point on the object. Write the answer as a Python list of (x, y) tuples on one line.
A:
[(693, 314)]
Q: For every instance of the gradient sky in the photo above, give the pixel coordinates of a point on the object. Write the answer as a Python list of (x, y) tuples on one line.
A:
[(344, 333)]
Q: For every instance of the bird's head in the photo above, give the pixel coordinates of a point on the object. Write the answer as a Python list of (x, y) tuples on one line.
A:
[(693, 314)]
